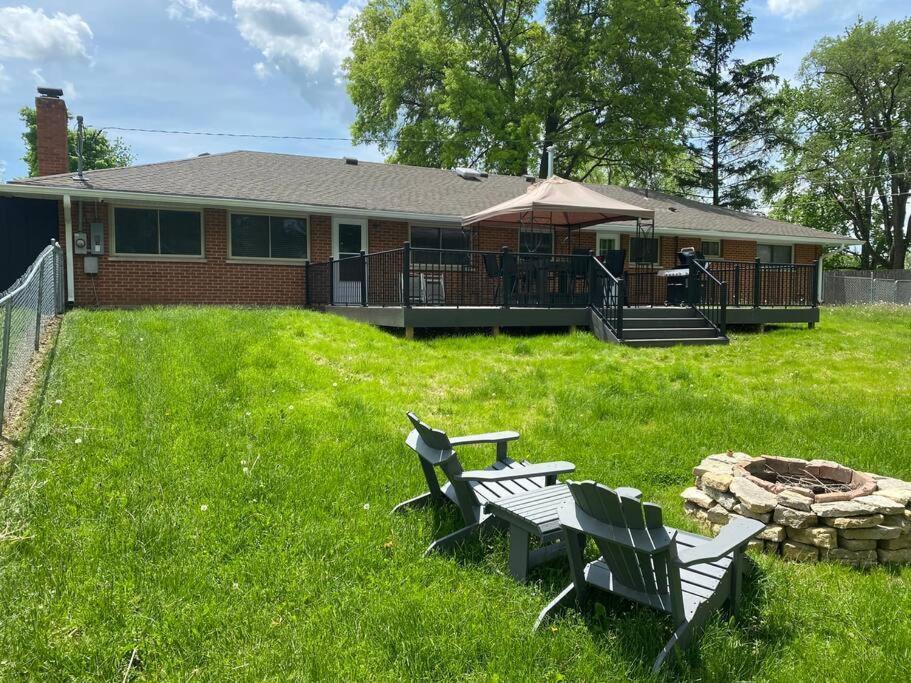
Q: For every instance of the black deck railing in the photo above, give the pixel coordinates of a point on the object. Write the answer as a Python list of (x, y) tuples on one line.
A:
[(708, 296), (410, 277), (453, 278), (608, 297)]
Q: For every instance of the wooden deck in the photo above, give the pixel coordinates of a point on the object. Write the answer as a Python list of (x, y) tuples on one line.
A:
[(420, 317)]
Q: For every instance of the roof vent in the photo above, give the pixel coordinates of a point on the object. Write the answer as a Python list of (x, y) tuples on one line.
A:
[(484, 174), (204, 154), (530, 178), (468, 173), (351, 161)]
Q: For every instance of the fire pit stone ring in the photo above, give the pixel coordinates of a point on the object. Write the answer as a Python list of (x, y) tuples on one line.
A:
[(813, 509)]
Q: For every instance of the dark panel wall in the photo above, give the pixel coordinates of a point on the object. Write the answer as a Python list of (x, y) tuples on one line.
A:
[(26, 227)]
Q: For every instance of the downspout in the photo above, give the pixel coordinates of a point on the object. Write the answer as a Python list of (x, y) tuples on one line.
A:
[(68, 236), (820, 294)]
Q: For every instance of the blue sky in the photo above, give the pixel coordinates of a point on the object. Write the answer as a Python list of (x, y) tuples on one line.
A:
[(251, 66)]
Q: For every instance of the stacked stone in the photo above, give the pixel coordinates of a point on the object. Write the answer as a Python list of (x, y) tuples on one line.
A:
[(867, 530)]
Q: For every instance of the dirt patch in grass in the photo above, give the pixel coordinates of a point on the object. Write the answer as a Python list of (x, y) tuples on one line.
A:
[(16, 419)]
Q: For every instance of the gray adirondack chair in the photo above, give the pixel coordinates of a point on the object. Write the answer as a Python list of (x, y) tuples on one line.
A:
[(471, 490), (687, 575)]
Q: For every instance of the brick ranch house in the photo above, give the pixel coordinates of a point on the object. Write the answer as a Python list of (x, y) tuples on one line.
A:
[(240, 227)]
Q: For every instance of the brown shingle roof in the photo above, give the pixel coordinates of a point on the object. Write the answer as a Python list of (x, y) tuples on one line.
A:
[(388, 188)]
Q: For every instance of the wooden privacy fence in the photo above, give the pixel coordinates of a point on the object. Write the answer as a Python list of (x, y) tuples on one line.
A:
[(25, 309)]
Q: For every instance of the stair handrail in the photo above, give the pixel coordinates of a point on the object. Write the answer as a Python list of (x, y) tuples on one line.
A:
[(607, 302), (710, 302)]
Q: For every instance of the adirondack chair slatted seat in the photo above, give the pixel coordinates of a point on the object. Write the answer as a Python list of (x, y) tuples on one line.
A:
[(471, 490), (686, 575)]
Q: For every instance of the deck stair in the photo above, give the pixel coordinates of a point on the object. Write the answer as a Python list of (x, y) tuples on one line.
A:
[(666, 326)]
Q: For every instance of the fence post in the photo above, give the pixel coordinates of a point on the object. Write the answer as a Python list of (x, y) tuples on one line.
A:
[(406, 274), (4, 357), (40, 295), (55, 278), (872, 287), (757, 284), (363, 278)]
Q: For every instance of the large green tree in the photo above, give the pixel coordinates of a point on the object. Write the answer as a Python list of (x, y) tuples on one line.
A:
[(495, 82), (98, 150), (731, 132), (849, 127)]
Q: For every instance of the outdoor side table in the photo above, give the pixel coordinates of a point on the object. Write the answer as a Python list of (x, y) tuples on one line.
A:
[(532, 514), (536, 513)]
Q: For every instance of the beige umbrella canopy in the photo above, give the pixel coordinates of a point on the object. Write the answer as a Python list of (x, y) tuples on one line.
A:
[(558, 202)]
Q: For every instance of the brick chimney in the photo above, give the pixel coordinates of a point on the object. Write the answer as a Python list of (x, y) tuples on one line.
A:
[(53, 151)]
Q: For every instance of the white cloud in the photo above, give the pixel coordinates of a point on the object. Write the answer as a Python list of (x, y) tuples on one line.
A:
[(191, 10), (261, 69), (31, 34), (303, 39), (4, 79), (792, 8)]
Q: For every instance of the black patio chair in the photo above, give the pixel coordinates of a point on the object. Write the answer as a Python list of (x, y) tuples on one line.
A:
[(493, 270), (509, 271)]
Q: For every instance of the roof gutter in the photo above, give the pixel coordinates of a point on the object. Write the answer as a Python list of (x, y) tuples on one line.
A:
[(26, 190)]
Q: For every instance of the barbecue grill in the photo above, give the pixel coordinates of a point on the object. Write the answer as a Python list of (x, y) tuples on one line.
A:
[(678, 278)]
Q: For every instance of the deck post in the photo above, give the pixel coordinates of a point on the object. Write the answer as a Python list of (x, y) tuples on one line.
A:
[(757, 283), (331, 301), (406, 276), (723, 322), (816, 269), (737, 284), (621, 302), (507, 285), (363, 278)]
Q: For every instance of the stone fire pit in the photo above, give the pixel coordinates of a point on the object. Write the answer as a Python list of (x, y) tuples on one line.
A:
[(813, 509)]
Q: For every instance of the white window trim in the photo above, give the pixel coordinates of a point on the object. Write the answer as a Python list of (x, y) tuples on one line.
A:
[(771, 244), (718, 257), (113, 254), (338, 220), (600, 235), (268, 259)]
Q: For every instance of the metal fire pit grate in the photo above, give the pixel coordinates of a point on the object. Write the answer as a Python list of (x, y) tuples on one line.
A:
[(806, 480)]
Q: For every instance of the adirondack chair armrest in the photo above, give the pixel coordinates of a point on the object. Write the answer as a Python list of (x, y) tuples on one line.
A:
[(540, 470), (732, 535), (491, 437)]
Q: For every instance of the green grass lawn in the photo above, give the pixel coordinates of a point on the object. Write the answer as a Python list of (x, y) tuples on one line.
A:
[(211, 487)]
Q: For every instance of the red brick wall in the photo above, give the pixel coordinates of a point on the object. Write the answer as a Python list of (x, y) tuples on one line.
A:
[(53, 150), (210, 280), (738, 250), (807, 253), (385, 235)]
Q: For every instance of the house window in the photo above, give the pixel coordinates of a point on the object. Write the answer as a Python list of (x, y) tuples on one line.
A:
[(440, 240), (536, 242), (711, 249), (643, 249), (154, 232), (774, 253), (606, 244), (276, 237)]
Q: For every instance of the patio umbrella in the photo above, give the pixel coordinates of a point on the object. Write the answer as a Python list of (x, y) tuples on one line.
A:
[(558, 202)]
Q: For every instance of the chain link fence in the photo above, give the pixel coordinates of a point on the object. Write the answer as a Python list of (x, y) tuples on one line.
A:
[(867, 287), (25, 309)]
